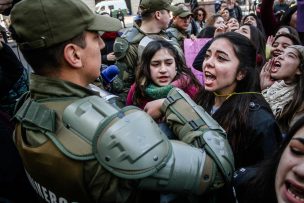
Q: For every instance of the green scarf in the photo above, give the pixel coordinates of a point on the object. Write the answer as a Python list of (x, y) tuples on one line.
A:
[(157, 92)]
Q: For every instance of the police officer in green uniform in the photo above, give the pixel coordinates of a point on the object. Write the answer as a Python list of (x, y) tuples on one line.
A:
[(79, 147), (155, 19), (180, 23)]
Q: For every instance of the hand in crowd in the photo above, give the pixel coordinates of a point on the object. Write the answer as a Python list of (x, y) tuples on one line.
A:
[(265, 78), (193, 37), (153, 108), (270, 40), (111, 57), (5, 4)]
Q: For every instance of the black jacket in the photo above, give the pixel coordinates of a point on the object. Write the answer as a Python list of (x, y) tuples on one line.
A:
[(264, 137), (260, 137)]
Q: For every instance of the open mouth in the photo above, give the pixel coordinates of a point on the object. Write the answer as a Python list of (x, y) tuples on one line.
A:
[(209, 77), (295, 191), (275, 66), (163, 78)]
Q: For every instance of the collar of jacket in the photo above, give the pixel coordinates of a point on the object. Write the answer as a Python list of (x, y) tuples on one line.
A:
[(162, 32), (42, 87)]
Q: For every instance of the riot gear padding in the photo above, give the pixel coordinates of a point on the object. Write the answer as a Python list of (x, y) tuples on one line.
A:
[(129, 144), (174, 33), (133, 35), (193, 125), (121, 44), (184, 171)]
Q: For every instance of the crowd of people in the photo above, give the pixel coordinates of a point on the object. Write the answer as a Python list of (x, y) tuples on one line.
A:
[(149, 130)]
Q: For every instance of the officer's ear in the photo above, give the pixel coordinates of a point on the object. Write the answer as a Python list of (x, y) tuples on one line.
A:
[(157, 15), (72, 55)]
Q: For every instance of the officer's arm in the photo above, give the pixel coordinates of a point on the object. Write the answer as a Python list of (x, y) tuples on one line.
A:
[(128, 143), (192, 125)]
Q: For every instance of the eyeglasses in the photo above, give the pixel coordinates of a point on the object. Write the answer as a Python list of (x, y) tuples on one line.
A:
[(200, 14)]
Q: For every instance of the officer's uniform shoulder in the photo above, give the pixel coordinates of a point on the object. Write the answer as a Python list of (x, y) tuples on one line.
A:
[(133, 35), (130, 37), (44, 118), (173, 32)]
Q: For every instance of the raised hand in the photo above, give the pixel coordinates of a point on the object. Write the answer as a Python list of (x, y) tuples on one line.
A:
[(265, 77)]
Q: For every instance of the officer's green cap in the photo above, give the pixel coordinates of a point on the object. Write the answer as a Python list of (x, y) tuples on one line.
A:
[(43, 23), (156, 5), (182, 11)]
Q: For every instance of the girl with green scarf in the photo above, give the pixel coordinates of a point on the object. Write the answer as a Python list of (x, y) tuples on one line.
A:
[(161, 68)]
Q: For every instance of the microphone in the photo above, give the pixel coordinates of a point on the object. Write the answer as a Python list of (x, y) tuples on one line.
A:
[(109, 73)]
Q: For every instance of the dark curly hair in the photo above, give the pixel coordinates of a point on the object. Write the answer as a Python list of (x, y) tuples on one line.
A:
[(195, 13)]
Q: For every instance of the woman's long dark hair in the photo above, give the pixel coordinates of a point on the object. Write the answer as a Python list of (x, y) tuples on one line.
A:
[(262, 187), (233, 114), (296, 103), (259, 42), (143, 76)]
